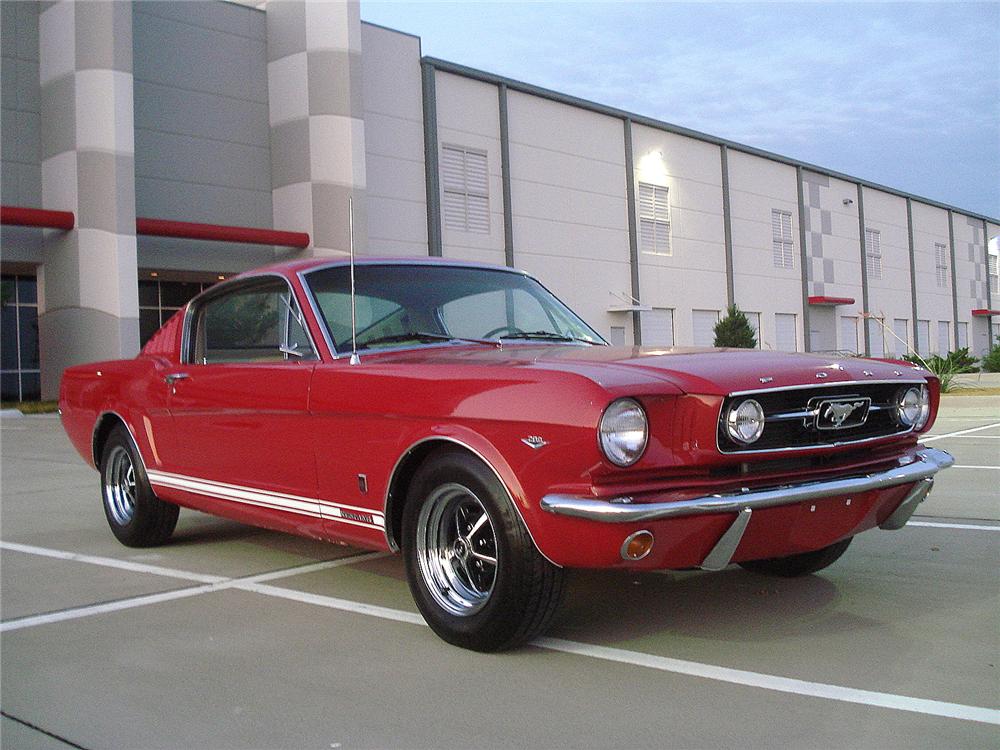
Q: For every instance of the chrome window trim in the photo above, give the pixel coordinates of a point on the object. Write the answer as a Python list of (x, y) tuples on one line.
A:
[(791, 415), (320, 320), (224, 288)]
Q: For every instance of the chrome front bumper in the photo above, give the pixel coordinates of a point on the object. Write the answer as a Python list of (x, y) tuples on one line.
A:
[(927, 463), (919, 471)]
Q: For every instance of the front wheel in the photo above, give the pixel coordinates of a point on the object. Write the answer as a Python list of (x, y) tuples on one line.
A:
[(799, 565), (472, 568), (136, 516)]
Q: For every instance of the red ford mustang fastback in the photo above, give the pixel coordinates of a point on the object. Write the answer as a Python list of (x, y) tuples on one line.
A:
[(491, 436)]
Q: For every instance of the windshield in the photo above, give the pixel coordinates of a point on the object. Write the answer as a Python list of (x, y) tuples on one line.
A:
[(404, 305)]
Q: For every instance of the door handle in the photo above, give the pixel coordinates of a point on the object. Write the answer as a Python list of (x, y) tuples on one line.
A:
[(174, 377)]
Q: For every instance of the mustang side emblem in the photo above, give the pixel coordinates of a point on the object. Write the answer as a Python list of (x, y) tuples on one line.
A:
[(842, 413), (535, 442)]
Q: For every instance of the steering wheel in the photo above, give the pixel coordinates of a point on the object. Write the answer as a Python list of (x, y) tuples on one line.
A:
[(501, 329)]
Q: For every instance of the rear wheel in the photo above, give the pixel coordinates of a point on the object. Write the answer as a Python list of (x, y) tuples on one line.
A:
[(472, 568), (136, 516), (799, 565)]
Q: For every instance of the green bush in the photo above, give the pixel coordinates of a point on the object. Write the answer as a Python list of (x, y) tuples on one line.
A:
[(735, 330), (991, 362), (956, 362)]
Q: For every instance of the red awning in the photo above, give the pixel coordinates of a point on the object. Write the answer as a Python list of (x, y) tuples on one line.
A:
[(20, 216), (831, 300), (985, 313)]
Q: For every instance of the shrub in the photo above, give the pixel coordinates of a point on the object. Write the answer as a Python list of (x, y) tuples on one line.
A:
[(735, 330), (991, 362)]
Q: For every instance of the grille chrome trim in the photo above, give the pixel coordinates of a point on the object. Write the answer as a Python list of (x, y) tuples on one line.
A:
[(810, 414)]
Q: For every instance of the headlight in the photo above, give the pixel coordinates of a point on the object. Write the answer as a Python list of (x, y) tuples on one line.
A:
[(623, 432), (745, 421), (913, 407)]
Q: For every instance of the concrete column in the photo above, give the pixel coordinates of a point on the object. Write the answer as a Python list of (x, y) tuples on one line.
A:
[(88, 293), (317, 121)]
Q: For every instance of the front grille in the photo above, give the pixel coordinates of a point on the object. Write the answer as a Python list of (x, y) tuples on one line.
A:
[(791, 416)]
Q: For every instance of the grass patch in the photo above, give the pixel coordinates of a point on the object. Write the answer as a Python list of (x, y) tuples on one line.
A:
[(971, 390), (32, 407)]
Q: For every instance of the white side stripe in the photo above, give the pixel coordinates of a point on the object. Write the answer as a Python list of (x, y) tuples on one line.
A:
[(307, 506)]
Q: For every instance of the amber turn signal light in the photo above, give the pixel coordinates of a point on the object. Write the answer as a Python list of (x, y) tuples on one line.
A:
[(637, 545)]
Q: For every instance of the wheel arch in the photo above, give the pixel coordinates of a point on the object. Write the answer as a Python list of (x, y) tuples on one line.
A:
[(105, 423), (414, 457)]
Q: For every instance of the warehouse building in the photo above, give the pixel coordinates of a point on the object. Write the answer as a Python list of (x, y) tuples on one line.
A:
[(150, 149)]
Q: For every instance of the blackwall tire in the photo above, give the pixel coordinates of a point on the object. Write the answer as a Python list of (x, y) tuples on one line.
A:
[(136, 516), (799, 565), (474, 572)]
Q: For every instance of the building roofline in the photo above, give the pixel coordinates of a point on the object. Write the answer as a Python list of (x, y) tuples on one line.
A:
[(556, 96)]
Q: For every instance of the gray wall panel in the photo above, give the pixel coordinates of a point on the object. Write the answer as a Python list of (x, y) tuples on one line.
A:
[(211, 204), (190, 56), (172, 110), (20, 149), (219, 16), (185, 158), (202, 137)]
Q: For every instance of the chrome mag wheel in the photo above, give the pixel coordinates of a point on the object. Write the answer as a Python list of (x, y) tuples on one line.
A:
[(456, 548), (119, 486)]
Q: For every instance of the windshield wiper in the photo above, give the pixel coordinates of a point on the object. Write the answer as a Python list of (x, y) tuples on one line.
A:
[(548, 336), (395, 338)]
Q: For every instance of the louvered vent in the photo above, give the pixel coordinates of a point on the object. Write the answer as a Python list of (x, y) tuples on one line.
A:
[(465, 179)]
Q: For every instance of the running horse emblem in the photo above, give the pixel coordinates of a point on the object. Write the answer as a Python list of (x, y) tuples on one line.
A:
[(838, 413)]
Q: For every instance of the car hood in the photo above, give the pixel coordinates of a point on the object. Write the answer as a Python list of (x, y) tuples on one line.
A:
[(689, 369)]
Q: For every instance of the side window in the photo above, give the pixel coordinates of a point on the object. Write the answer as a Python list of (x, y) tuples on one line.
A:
[(260, 323)]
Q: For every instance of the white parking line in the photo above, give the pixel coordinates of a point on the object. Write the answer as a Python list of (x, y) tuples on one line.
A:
[(959, 432), (969, 466), (217, 583), (969, 526), (773, 682), (649, 661), (110, 562)]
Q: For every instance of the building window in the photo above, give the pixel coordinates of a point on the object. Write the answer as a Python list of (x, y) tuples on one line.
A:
[(923, 338), (873, 253), (944, 337), (900, 337), (704, 326), (963, 336), (465, 178), (159, 300), (654, 219), (941, 263), (657, 326), (876, 336), (849, 334), (753, 318), (781, 236), (785, 336), (19, 374)]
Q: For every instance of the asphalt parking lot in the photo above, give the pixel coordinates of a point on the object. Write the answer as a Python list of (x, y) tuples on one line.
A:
[(233, 637)]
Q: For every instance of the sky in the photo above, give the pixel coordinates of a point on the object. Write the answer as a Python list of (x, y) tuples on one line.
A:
[(901, 94)]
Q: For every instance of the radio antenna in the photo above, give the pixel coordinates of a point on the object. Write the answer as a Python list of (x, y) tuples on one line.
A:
[(355, 359)]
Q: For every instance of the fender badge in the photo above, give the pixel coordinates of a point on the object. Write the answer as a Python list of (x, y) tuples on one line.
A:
[(765, 380), (820, 374), (534, 442), (868, 373)]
